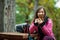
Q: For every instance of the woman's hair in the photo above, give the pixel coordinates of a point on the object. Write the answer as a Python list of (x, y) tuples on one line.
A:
[(36, 16)]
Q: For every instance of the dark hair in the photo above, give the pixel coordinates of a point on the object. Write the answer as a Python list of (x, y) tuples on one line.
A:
[(40, 7)]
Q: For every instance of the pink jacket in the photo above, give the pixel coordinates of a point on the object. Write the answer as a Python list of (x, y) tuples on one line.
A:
[(47, 28)]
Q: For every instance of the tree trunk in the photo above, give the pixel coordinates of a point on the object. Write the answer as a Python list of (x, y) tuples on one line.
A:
[(1, 15), (9, 16), (36, 5)]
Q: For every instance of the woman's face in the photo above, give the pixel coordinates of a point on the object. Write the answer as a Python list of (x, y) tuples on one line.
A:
[(40, 13)]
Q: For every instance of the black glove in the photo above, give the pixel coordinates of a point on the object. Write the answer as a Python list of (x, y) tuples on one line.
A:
[(36, 24)]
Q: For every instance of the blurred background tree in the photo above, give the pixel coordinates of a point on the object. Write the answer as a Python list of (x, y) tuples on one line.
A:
[(25, 10), (7, 15)]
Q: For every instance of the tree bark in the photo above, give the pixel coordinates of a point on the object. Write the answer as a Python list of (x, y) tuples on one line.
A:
[(9, 16), (1, 15)]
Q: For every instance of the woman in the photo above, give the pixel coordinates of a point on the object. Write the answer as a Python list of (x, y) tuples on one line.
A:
[(42, 25)]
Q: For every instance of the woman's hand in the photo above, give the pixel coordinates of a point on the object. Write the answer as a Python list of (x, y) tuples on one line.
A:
[(36, 20), (33, 35), (39, 21)]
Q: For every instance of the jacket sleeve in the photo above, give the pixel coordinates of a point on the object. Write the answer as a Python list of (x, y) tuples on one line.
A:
[(47, 29), (32, 28)]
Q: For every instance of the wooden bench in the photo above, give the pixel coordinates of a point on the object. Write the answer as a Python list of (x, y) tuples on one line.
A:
[(15, 36)]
